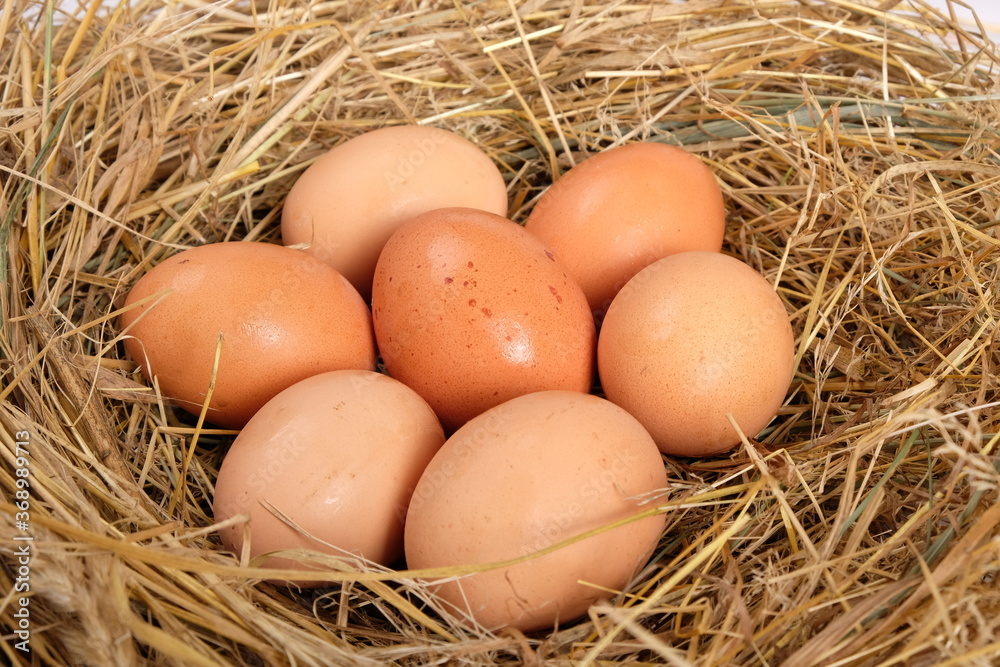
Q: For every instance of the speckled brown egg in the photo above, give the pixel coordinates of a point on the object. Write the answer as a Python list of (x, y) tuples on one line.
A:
[(621, 210), (338, 455), (344, 207), (690, 339), (277, 316), (470, 310), (526, 475)]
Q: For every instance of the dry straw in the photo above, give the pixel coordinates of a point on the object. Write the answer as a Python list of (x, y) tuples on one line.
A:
[(857, 146)]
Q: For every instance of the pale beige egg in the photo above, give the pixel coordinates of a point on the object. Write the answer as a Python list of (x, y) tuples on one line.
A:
[(347, 204), (328, 465), (526, 475)]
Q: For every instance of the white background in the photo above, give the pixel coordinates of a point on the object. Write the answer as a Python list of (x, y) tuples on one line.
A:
[(988, 11)]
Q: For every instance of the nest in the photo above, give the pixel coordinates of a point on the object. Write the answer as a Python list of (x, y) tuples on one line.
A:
[(856, 143)]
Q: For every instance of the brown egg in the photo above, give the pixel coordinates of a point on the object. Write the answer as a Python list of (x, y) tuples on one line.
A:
[(625, 208), (528, 474), (281, 314), (338, 455), (347, 204), (470, 310), (690, 339)]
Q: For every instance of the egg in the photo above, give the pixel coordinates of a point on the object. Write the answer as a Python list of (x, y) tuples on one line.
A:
[(470, 310), (344, 207), (528, 474), (693, 338), (338, 455), (276, 315), (621, 210)]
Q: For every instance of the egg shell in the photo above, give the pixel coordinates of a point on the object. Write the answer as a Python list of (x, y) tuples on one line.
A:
[(691, 338), (621, 210), (470, 310), (530, 473), (345, 205), (339, 455), (282, 316)]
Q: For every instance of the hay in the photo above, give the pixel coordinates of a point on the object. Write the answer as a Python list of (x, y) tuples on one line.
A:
[(857, 147)]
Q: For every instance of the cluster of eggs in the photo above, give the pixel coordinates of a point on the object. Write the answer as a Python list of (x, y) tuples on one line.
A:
[(482, 444)]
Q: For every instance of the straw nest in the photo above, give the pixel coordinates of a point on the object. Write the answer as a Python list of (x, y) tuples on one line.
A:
[(857, 147)]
